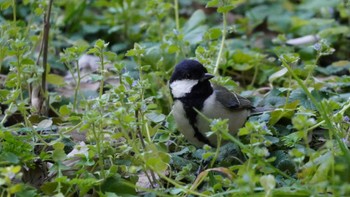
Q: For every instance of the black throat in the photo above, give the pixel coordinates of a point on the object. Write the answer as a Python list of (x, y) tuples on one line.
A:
[(195, 100)]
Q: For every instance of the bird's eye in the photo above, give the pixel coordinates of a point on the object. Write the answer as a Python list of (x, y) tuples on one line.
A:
[(188, 75)]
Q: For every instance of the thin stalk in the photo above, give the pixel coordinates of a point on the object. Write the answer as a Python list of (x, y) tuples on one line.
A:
[(223, 38), (77, 86), (68, 130), (45, 52), (255, 75), (6, 115), (188, 191), (176, 9), (102, 73), (19, 71), (219, 139), (177, 23), (99, 152), (14, 11)]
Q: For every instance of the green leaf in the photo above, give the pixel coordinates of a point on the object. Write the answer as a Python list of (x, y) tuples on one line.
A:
[(225, 9), (290, 58), (334, 31), (214, 33), (286, 112), (4, 4), (27, 61), (173, 49), (55, 79), (242, 61), (118, 185), (9, 157), (155, 117), (137, 51), (96, 77), (100, 44), (45, 124), (93, 51), (322, 171), (58, 153), (15, 188), (278, 74), (197, 19), (49, 188), (213, 3), (299, 95), (39, 11), (64, 110), (157, 160)]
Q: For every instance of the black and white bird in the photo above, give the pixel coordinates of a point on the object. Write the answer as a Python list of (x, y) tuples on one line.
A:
[(191, 90)]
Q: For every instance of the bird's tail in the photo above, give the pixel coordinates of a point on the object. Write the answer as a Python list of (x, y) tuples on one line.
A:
[(260, 110)]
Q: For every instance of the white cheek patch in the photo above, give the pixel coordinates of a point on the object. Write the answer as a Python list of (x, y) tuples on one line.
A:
[(180, 88)]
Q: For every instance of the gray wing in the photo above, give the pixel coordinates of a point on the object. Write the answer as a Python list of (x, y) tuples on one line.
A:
[(231, 100)]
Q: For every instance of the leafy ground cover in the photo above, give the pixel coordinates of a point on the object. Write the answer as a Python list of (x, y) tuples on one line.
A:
[(86, 110)]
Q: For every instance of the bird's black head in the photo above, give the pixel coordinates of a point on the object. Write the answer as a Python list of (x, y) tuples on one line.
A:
[(191, 70), (190, 79)]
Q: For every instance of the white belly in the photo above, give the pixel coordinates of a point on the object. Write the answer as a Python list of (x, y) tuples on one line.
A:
[(183, 125), (212, 109)]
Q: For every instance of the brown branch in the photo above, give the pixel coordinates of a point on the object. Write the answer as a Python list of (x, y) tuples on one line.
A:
[(45, 45)]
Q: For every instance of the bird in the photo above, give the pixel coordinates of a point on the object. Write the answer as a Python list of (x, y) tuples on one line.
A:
[(192, 92)]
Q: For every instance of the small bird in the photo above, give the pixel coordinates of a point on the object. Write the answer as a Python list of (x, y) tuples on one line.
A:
[(191, 90)]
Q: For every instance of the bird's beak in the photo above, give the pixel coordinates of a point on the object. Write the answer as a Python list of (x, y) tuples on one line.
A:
[(206, 76)]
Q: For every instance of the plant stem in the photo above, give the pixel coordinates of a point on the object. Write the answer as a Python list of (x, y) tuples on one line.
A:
[(6, 115), (219, 139), (77, 86), (102, 73), (19, 71), (176, 9), (224, 27), (14, 10), (98, 149), (44, 110), (188, 191), (255, 75), (177, 25)]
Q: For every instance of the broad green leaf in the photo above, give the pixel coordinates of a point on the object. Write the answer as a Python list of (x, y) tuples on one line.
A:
[(118, 185), (100, 44), (278, 74), (214, 33), (55, 79), (4, 4), (155, 117), (9, 157), (15, 188), (225, 9), (45, 124), (197, 19), (287, 112), (64, 110), (173, 48), (213, 3)]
